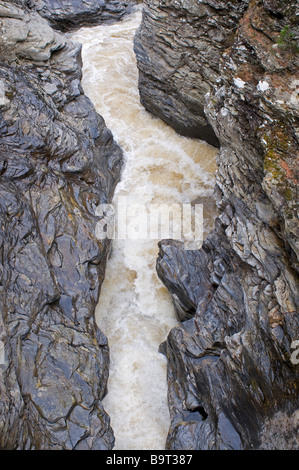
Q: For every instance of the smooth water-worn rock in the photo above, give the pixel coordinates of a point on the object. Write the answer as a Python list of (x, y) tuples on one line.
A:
[(71, 14), (58, 161), (191, 286), (232, 370)]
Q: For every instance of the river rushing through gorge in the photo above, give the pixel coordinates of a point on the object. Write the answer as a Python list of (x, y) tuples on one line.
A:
[(135, 310), (195, 349)]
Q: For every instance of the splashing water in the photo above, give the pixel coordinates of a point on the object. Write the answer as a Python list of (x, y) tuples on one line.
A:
[(135, 310)]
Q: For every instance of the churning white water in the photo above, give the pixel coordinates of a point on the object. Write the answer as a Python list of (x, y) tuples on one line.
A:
[(135, 310)]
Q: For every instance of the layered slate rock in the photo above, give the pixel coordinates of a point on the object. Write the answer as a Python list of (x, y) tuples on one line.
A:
[(233, 370), (178, 48), (71, 14), (58, 161)]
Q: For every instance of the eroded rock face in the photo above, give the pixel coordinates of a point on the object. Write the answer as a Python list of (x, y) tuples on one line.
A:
[(58, 161), (232, 373), (178, 48), (70, 14)]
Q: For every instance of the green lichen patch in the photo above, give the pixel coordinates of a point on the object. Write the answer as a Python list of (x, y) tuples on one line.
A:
[(279, 166), (288, 41)]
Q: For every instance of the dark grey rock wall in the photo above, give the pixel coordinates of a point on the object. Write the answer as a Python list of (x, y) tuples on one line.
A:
[(178, 48), (58, 161), (232, 373), (71, 14)]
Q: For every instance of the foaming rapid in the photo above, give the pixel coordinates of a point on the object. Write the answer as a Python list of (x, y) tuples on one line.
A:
[(135, 310)]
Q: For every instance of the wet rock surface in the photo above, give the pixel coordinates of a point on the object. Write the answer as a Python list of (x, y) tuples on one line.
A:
[(58, 161), (71, 14), (232, 374), (190, 286)]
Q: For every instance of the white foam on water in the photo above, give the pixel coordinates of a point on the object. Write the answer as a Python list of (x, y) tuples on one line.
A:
[(135, 310)]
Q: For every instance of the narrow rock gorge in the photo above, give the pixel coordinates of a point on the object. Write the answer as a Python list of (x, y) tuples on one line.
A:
[(135, 310), (231, 69), (224, 72)]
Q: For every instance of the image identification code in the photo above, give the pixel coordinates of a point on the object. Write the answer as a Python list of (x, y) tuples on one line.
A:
[(152, 459), (170, 459)]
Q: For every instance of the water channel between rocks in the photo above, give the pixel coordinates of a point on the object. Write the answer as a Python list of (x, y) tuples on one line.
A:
[(135, 310)]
